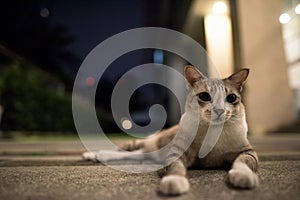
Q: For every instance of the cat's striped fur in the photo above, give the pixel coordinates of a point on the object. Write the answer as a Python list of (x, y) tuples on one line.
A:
[(232, 148)]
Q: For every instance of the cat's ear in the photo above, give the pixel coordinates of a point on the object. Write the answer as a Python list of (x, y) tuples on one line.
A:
[(192, 74), (238, 79)]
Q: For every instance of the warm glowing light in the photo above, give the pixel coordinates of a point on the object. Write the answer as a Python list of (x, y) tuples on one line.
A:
[(219, 8), (126, 124), (218, 33), (284, 18), (297, 9)]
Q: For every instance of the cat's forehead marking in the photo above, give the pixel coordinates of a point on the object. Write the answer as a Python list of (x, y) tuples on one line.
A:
[(215, 85)]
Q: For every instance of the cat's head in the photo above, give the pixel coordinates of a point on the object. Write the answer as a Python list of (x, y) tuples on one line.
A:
[(219, 99)]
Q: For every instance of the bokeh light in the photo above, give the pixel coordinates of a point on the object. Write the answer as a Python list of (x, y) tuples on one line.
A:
[(219, 8), (90, 81), (284, 18)]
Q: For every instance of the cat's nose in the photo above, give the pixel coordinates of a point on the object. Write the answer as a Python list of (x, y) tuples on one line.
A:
[(219, 112)]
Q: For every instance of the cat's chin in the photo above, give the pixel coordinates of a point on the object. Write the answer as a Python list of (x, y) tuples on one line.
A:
[(217, 122)]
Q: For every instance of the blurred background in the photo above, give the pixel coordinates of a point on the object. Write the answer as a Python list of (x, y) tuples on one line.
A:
[(43, 43)]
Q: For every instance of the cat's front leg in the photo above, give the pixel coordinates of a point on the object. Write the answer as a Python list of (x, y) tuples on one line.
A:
[(175, 181), (242, 174)]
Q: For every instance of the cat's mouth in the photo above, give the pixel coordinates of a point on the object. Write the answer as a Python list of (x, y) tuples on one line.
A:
[(217, 119)]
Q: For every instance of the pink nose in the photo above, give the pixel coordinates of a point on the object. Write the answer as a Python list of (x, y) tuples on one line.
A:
[(219, 112)]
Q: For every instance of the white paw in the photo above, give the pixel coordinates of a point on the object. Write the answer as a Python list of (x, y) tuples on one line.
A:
[(243, 178), (89, 156), (174, 185)]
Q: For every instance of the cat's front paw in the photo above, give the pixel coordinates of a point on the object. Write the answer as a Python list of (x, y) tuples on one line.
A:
[(242, 178), (174, 185)]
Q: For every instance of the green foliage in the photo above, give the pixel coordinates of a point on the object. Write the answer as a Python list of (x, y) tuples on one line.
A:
[(31, 103)]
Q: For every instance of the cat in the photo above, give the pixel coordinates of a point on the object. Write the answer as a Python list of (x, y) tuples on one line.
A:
[(216, 103)]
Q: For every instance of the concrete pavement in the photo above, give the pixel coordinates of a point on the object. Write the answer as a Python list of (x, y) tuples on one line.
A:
[(54, 170)]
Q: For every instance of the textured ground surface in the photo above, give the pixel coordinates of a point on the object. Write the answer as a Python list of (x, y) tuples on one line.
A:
[(61, 174)]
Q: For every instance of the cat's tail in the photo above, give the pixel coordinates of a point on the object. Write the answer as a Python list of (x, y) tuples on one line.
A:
[(105, 156), (133, 147)]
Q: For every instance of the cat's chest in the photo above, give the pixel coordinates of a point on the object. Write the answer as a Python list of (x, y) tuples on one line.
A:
[(227, 147)]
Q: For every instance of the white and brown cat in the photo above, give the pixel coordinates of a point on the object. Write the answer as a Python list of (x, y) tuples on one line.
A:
[(218, 102)]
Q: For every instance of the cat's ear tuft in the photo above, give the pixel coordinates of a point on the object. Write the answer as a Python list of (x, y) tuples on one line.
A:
[(238, 79), (192, 74)]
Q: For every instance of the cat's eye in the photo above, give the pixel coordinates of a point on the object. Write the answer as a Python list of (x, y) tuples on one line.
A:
[(231, 98), (204, 96)]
